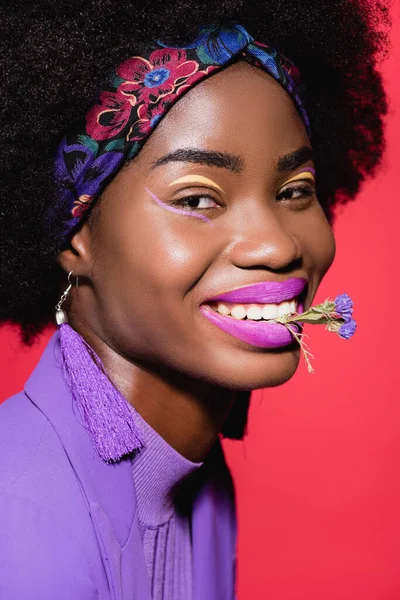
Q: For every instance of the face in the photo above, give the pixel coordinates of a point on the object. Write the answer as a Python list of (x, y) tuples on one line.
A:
[(221, 197)]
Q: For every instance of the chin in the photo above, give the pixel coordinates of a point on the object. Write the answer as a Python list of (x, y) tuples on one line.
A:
[(256, 370)]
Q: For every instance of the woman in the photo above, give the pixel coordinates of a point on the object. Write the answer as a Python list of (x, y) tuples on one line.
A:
[(167, 192)]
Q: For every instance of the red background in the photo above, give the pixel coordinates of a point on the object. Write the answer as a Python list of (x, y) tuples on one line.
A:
[(317, 478)]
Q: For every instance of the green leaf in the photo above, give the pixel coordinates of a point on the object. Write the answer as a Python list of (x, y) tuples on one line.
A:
[(89, 143), (334, 327), (319, 310), (134, 150), (204, 57), (115, 145), (117, 80), (328, 306), (309, 317)]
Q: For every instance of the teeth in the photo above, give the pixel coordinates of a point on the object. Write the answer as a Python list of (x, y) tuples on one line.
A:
[(256, 312), (270, 311), (283, 309), (238, 311), (223, 309)]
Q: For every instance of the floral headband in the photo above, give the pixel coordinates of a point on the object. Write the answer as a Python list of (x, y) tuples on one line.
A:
[(140, 92)]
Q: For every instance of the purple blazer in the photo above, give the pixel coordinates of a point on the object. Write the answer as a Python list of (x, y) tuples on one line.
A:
[(68, 522)]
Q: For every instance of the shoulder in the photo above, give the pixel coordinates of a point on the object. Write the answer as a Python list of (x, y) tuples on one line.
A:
[(22, 427), (39, 558), (33, 462), (47, 543)]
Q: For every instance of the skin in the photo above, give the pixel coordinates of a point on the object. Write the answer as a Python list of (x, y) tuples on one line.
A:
[(144, 271)]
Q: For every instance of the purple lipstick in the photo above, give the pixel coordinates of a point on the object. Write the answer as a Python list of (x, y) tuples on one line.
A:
[(261, 334), (266, 292)]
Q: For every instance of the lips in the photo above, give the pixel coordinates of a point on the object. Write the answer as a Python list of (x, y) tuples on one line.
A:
[(261, 334), (272, 292)]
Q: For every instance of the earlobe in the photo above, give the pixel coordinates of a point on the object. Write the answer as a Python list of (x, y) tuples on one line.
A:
[(79, 256)]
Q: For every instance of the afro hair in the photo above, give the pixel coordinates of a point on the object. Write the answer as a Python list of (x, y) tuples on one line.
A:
[(54, 56)]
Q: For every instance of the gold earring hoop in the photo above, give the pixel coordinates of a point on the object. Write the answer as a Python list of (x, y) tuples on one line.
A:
[(61, 315)]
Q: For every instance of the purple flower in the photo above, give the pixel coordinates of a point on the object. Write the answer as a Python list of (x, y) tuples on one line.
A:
[(348, 329), (344, 306)]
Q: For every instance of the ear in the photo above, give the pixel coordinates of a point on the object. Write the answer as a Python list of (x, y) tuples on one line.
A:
[(79, 257)]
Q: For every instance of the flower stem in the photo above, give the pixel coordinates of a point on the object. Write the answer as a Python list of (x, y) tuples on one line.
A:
[(303, 346)]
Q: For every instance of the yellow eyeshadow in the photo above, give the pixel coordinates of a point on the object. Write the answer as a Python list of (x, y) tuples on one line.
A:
[(304, 175), (196, 179)]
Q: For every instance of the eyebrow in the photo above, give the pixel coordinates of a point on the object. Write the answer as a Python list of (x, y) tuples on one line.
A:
[(295, 159), (232, 162), (222, 160)]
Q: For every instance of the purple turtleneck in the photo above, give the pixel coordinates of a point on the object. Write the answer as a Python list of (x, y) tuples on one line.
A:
[(165, 530)]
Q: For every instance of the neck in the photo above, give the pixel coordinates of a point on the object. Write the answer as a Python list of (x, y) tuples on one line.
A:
[(188, 414)]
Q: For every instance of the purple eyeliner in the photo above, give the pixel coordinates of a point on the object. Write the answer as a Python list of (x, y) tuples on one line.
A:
[(180, 211)]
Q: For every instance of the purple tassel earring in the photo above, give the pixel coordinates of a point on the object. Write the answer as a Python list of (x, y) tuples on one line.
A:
[(106, 414)]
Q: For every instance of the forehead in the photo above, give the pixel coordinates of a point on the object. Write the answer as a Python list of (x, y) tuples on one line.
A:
[(241, 109)]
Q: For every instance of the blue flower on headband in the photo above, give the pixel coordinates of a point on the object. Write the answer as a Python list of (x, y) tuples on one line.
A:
[(266, 59), (156, 77), (216, 45)]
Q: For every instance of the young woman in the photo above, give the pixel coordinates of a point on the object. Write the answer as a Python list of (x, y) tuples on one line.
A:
[(169, 176)]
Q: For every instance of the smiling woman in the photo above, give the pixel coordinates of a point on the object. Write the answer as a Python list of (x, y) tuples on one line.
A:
[(168, 225), (261, 229)]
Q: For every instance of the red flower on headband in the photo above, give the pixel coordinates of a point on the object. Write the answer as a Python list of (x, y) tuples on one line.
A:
[(150, 114), (148, 117), (108, 119), (198, 76), (150, 80), (81, 205)]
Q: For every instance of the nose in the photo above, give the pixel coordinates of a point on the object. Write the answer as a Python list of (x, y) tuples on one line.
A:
[(264, 241)]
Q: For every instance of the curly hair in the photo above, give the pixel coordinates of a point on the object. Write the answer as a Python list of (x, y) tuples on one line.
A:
[(54, 56)]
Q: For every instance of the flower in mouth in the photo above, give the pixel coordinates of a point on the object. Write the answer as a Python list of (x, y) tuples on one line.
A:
[(335, 314), (348, 329), (344, 306)]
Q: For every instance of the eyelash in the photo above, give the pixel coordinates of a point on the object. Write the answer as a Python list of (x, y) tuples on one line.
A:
[(183, 202), (306, 194)]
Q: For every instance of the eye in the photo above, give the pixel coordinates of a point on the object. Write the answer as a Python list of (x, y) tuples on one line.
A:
[(301, 194), (198, 202)]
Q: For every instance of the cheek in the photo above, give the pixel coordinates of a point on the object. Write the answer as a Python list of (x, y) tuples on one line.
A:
[(146, 268), (318, 242), (161, 254), (325, 247)]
